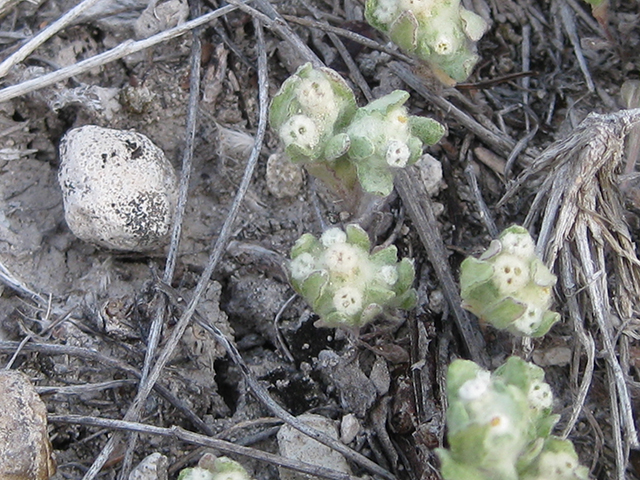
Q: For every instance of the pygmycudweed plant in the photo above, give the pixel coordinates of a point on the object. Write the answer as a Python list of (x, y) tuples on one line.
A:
[(509, 286), (345, 284)]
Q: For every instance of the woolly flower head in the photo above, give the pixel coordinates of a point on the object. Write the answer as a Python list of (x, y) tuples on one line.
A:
[(540, 396), (300, 130), (398, 154), (333, 236), (511, 273), (343, 259), (476, 387), (346, 284), (316, 97), (302, 266), (348, 301), (518, 243)]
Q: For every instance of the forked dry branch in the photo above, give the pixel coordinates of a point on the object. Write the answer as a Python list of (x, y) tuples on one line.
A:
[(579, 215)]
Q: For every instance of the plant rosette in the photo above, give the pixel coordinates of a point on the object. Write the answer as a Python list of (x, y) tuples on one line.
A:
[(509, 287), (345, 284), (383, 137), (499, 426), (440, 32), (308, 110)]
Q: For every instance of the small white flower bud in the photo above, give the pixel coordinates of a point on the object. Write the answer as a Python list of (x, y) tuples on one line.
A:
[(343, 259), (397, 154), (386, 12), (475, 388), (197, 473), (333, 236), (557, 465), (348, 300), (529, 321), (511, 273), (540, 396), (316, 96), (518, 244), (302, 266), (499, 424), (389, 274), (300, 130)]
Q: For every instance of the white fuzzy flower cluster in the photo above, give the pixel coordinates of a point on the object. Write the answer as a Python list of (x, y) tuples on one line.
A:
[(509, 286), (440, 32), (499, 426), (301, 131), (344, 283)]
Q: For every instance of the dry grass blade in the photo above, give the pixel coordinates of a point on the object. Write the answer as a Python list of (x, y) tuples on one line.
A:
[(122, 50), (43, 36), (583, 232)]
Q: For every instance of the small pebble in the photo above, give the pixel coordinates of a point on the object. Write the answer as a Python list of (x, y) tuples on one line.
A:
[(152, 467), (296, 445), (25, 450), (349, 428)]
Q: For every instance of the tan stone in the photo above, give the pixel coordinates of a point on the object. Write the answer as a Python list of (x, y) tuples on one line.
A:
[(25, 450)]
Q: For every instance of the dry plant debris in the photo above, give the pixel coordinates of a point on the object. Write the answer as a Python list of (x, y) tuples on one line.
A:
[(129, 355)]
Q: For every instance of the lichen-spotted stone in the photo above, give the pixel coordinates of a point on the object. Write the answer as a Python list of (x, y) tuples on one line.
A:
[(119, 190)]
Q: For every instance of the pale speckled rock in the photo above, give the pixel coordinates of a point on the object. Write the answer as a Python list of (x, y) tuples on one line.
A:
[(296, 445), (25, 451), (284, 178), (118, 188), (152, 467)]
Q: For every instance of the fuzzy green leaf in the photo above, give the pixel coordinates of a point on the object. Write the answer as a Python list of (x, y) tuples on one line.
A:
[(358, 237), (426, 129)]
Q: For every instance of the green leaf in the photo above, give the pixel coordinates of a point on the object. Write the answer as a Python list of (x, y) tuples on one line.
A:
[(369, 313), (504, 313), (358, 237), (386, 104), (379, 295), (281, 104), (426, 129), (473, 272), (404, 31), (313, 287), (375, 179), (385, 256), (407, 300), (406, 275), (335, 319), (549, 319), (361, 148), (337, 146), (307, 243)]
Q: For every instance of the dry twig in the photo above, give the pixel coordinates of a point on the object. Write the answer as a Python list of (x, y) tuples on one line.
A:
[(24, 51), (196, 439)]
